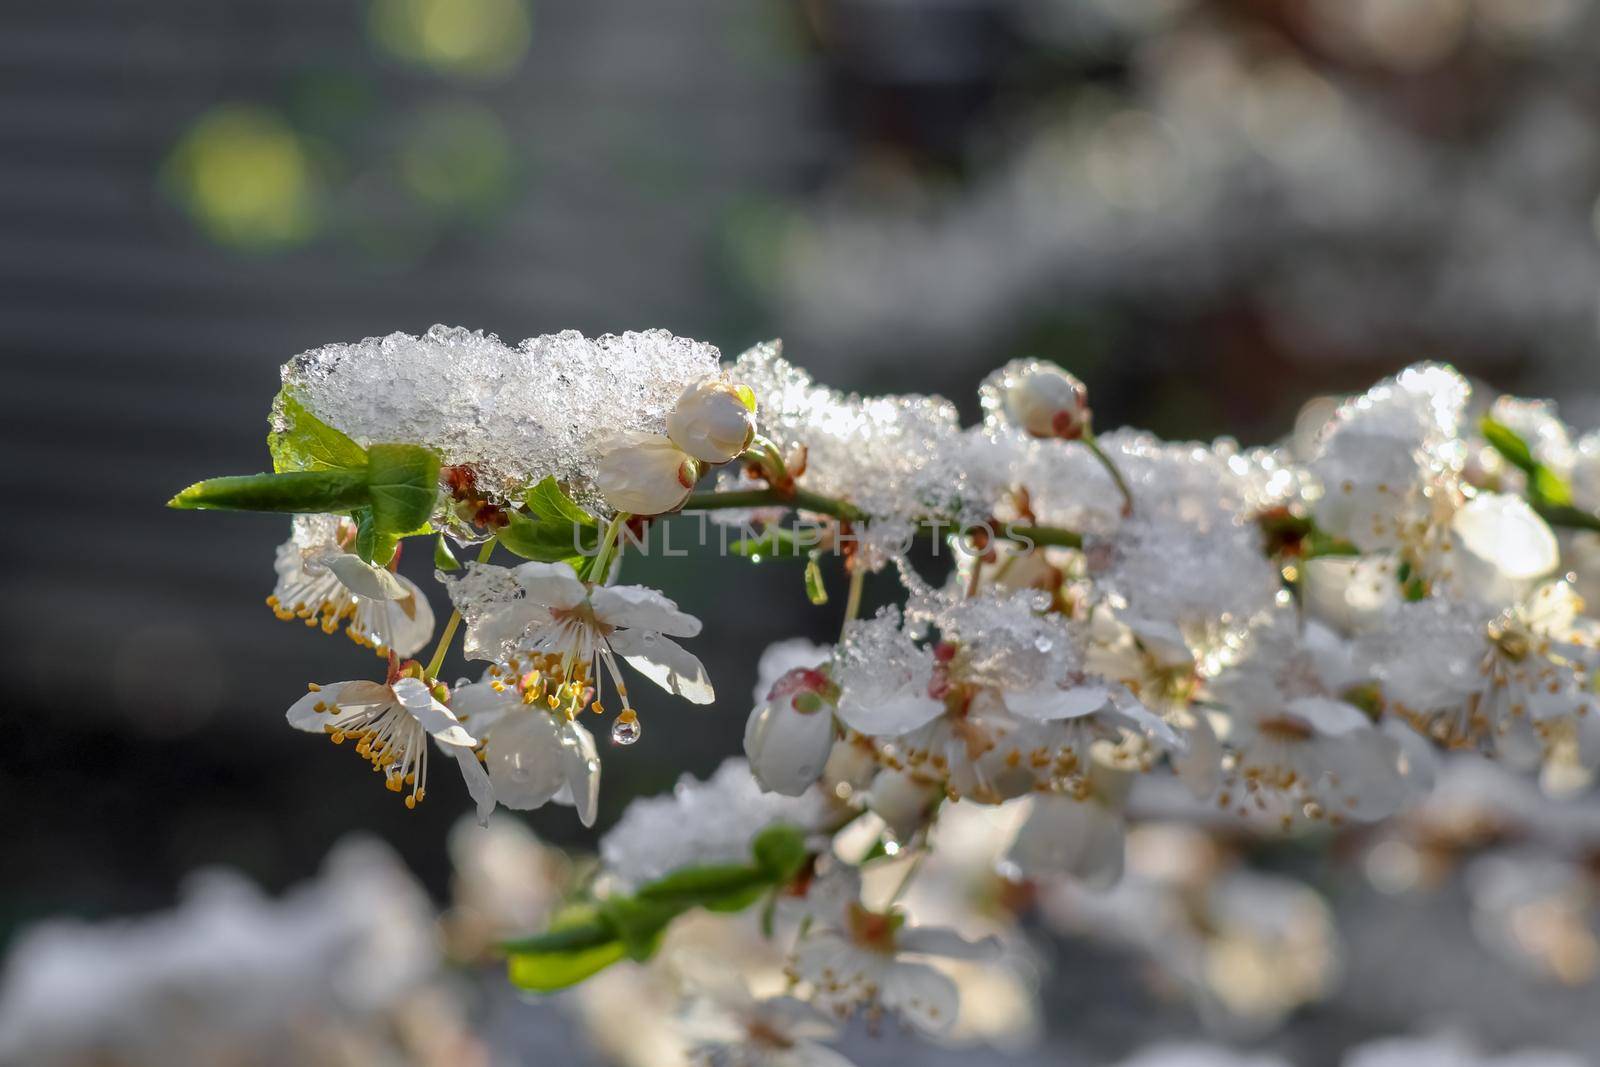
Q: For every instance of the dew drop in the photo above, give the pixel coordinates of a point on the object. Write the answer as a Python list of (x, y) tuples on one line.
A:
[(625, 731)]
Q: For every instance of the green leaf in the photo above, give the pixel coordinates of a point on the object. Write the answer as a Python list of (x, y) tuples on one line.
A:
[(548, 501), (443, 558), (306, 443), (403, 484), (1550, 488), (1319, 545), (372, 544), (298, 491), (575, 927), (816, 589), (773, 543), (1545, 486), (1508, 443), (639, 923), (548, 540), (723, 887), (548, 972), (780, 851)]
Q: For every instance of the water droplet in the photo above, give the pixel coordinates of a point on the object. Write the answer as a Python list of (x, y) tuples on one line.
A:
[(1043, 644), (625, 731)]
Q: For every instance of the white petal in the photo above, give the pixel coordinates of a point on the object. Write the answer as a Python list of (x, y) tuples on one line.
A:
[(479, 706), (902, 802), (788, 748), (665, 663), (642, 608), (1367, 765), (477, 780), (363, 579), (1199, 763), (1081, 838), (582, 770), (923, 997), (808, 1054), (890, 714), (1050, 703), (413, 695), (942, 941), (1350, 593), (1152, 726), (1508, 535), (302, 714), (551, 585), (412, 619), (527, 760), (1331, 718)]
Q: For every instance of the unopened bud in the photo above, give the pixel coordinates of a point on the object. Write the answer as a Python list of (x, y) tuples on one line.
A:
[(1037, 397), (646, 474), (712, 421)]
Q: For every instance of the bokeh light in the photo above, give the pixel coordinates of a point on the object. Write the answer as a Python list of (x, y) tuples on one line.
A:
[(245, 177), (474, 38)]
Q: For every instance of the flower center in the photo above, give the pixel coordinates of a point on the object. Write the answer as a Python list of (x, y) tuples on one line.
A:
[(1286, 728), (872, 929)]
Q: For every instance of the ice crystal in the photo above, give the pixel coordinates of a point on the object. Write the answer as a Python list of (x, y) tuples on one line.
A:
[(517, 413), (701, 823), (894, 457)]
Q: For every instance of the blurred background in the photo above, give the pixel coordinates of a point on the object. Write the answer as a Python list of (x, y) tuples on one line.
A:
[(1210, 210)]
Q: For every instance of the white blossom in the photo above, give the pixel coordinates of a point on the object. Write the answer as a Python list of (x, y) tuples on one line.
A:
[(854, 958), (323, 583), (542, 608), (533, 754), (390, 724)]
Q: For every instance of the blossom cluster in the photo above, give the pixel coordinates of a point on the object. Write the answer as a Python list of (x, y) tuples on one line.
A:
[(1286, 638)]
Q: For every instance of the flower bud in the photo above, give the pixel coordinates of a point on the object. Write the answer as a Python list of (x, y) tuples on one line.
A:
[(712, 421), (646, 474), (790, 735), (1039, 398)]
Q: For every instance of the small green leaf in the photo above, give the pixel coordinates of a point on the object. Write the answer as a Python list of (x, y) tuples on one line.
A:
[(548, 540), (780, 851), (639, 923), (306, 443), (298, 491), (548, 972), (1550, 488), (1508, 443), (372, 544), (443, 558), (1545, 486), (816, 589), (769, 915), (1319, 545), (773, 543), (548, 501), (403, 484), (723, 887)]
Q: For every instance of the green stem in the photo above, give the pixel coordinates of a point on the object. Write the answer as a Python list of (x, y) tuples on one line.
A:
[(712, 500), (905, 882), (602, 558), (454, 624), (766, 454), (1568, 517), (852, 603), (1093, 444)]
